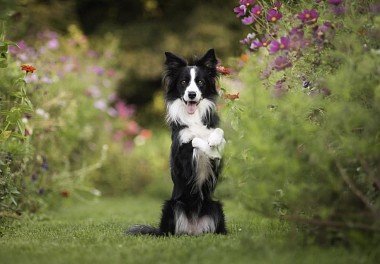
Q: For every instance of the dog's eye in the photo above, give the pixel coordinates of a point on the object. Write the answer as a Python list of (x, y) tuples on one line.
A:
[(183, 82), (201, 83)]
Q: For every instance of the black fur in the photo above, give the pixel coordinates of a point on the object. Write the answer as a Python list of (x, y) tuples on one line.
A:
[(185, 198)]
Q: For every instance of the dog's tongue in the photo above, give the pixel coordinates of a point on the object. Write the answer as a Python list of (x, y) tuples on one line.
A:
[(191, 107)]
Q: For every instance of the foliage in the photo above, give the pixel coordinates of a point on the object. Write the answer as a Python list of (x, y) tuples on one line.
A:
[(310, 122)]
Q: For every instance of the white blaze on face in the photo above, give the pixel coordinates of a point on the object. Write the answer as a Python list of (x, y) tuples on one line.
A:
[(192, 103)]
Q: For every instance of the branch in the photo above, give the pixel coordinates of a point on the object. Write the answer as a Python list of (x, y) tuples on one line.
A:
[(370, 174), (353, 187)]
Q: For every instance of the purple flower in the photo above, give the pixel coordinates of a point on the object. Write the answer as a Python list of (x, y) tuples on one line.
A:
[(275, 45), (248, 39), (281, 63), (296, 37), (335, 2), (308, 16), (98, 70), (100, 104), (256, 10), (273, 15), (246, 2), (264, 42), (338, 10), (240, 10), (277, 5), (248, 20), (53, 44), (123, 110)]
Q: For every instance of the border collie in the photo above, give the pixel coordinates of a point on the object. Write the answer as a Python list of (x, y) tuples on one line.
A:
[(196, 148)]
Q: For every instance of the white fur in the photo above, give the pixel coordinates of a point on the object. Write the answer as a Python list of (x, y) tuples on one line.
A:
[(192, 87), (203, 168), (194, 225), (176, 112)]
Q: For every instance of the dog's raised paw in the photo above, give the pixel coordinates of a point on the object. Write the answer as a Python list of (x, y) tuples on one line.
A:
[(216, 138)]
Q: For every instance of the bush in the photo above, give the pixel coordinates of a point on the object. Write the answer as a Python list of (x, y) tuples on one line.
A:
[(310, 122)]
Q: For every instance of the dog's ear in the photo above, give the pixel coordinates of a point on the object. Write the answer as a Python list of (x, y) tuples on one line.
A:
[(208, 60), (174, 61)]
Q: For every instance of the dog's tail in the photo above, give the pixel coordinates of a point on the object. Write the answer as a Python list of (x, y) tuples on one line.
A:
[(143, 230)]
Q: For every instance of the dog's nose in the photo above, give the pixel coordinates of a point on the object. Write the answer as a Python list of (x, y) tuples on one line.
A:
[(192, 95)]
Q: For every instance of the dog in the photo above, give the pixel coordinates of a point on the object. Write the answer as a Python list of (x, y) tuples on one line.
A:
[(197, 144)]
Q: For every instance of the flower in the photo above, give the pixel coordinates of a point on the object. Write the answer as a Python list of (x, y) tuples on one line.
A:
[(53, 44), (273, 15), (335, 2), (223, 70), (28, 68), (240, 10), (321, 31), (256, 10), (338, 10), (248, 39), (100, 104), (146, 133), (277, 5), (281, 63), (247, 2), (123, 110), (231, 97), (65, 193), (97, 70), (275, 45), (257, 43), (296, 37), (308, 16), (248, 20)]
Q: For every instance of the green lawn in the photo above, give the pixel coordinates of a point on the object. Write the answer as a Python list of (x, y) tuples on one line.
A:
[(93, 233)]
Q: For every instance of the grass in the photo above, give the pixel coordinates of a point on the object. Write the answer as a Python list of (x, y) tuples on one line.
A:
[(93, 233)]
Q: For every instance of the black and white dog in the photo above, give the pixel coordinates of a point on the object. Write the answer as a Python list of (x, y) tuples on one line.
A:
[(196, 148)]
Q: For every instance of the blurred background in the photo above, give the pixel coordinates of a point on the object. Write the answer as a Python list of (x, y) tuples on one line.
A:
[(144, 29), (97, 89)]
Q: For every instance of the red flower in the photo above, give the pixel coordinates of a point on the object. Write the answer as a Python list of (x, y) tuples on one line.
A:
[(231, 97), (223, 70), (65, 193), (28, 68), (146, 133)]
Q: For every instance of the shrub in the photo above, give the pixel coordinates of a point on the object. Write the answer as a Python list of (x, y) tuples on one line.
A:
[(310, 118)]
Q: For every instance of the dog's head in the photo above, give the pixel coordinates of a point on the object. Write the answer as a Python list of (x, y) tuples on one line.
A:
[(190, 82)]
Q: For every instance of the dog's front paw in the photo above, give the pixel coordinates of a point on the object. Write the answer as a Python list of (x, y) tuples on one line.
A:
[(216, 137), (198, 143)]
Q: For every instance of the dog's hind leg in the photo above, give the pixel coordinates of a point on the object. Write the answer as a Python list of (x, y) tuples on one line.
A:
[(214, 210), (167, 224)]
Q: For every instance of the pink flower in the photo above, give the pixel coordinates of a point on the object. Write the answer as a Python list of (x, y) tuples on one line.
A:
[(256, 10), (248, 20), (308, 16), (335, 2), (273, 15), (283, 44), (240, 10), (123, 110), (281, 63), (247, 2)]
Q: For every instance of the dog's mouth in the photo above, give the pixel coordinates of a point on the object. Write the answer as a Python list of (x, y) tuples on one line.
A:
[(191, 106)]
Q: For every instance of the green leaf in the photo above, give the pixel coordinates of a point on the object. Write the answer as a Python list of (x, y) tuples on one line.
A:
[(5, 135)]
